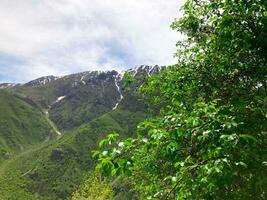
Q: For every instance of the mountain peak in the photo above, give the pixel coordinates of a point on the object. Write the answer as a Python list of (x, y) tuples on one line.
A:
[(83, 77), (41, 81), (147, 69)]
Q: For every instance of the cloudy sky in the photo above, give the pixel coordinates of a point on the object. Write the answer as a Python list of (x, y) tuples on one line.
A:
[(45, 37)]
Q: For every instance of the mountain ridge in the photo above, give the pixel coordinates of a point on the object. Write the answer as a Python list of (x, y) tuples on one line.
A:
[(148, 69), (82, 109)]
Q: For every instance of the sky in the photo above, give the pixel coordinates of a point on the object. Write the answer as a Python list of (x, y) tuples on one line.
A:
[(59, 37)]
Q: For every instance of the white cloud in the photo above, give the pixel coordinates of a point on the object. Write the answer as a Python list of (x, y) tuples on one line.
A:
[(66, 36)]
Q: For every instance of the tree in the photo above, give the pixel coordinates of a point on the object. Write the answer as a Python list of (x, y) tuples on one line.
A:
[(94, 188), (209, 141)]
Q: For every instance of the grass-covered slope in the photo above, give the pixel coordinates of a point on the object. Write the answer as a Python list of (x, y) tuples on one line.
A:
[(67, 161), (85, 115), (57, 169), (21, 125)]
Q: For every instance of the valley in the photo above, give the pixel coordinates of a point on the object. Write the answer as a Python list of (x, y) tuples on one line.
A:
[(78, 110)]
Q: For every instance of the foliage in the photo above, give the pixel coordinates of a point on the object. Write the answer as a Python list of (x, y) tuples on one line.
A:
[(210, 139), (94, 188), (128, 81)]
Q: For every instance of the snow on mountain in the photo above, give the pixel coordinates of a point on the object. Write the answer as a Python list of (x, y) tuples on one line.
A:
[(41, 81), (60, 98), (7, 85), (117, 78), (84, 77), (146, 69)]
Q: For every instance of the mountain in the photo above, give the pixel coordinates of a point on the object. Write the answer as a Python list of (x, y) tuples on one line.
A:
[(7, 85), (78, 98), (41, 81), (81, 108), (21, 124)]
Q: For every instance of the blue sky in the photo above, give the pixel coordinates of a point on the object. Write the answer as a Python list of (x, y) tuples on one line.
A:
[(58, 37)]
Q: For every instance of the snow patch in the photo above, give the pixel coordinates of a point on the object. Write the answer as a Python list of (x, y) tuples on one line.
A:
[(58, 77), (58, 133), (118, 88), (60, 98), (82, 80), (135, 72), (116, 106), (150, 71)]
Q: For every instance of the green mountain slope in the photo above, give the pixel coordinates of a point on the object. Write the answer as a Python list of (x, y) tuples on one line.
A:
[(85, 107), (21, 125), (75, 99), (57, 170)]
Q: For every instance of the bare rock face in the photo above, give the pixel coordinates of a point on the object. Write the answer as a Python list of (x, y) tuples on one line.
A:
[(41, 81)]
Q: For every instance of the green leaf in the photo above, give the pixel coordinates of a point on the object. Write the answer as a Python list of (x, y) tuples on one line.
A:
[(248, 137)]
